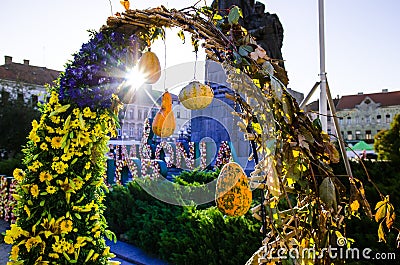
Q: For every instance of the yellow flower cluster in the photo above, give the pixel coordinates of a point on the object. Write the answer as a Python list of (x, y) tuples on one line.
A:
[(64, 157)]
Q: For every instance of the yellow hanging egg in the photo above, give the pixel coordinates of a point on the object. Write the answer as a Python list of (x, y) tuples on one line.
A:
[(233, 194), (196, 95), (149, 65)]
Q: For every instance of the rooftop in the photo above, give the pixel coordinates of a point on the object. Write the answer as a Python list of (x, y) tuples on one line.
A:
[(26, 73), (385, 99)]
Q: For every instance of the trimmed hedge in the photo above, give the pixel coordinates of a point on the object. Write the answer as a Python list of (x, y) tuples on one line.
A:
[(181, 235)]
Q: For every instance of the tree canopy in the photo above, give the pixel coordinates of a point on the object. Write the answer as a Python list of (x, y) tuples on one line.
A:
[(387, 142)]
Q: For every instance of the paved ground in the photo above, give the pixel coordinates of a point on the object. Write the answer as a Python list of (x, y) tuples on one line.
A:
[(126, 253), (4, 248)]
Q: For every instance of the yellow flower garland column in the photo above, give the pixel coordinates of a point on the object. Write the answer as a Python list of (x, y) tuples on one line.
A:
[(59, 197)]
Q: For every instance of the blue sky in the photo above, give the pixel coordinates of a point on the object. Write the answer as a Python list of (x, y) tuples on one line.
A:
[(362, 37)]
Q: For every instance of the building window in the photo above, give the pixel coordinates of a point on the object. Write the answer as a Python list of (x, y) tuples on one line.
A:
[(358, 135), (131, 114), (348, 120), (20, 97), (387, 118), (34, 100), (4, 96), (367, 119), (146, 113), (139, 115), (368, 135), (119, 133), (349, 135), (178, 114), (341, 121), (132, 130), (378, 118), (329, 131), (357, 120)]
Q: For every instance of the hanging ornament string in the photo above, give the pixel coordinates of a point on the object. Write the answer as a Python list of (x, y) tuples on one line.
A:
[(195, 67), (165, 63)]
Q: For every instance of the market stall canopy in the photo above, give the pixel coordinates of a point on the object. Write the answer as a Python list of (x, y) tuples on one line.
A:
[(361, 145)]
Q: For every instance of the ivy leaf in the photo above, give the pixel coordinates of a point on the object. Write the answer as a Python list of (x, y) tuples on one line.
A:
[(317, 124), (181, 35), (244, 50), (327, 193), (332, 152), (234, 15), (390, 219), (381, 233), (381, 212), (390, 215)]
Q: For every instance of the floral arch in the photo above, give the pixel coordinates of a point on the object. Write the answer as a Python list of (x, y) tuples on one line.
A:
[(59, 200)]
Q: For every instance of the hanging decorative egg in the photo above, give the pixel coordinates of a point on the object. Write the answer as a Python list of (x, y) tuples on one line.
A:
[(233, 194), (196, 95), (149, 65), (164, 121)]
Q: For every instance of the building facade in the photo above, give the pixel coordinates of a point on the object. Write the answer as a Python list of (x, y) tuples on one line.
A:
[(143, 104), (24, 81), (362, 116)]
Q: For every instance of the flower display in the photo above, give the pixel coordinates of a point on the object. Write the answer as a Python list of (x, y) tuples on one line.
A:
[(59, 198)]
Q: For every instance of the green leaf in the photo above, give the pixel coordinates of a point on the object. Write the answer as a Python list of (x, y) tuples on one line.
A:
[(234, 15), (60, 110), (327, 193), (317, 123), (244, 50)]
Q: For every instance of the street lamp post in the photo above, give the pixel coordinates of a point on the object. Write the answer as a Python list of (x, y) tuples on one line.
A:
[(323, 110)]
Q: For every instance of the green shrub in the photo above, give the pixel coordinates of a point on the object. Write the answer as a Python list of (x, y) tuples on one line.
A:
[(181, 235), (7, 166)]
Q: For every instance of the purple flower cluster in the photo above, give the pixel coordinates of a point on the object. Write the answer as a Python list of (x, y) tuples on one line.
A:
[(94, 75)]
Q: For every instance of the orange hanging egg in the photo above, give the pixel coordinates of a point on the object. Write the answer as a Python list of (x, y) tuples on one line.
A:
[(233, 194), (149, 65), (164, 121)]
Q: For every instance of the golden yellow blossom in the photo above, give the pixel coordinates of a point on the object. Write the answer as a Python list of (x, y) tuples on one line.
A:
[(60, 246), (66, 226), (35, 165), (14, 253), (34, 137), (28, 212), (66, 157), (18, 174), (76, 112), (78, 183), (44, 147), (51, 189), (35, 190), (35, 125), (13, 233), (33, 241), (56, 142), (45, 176), (54, 255), (59, 167)]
